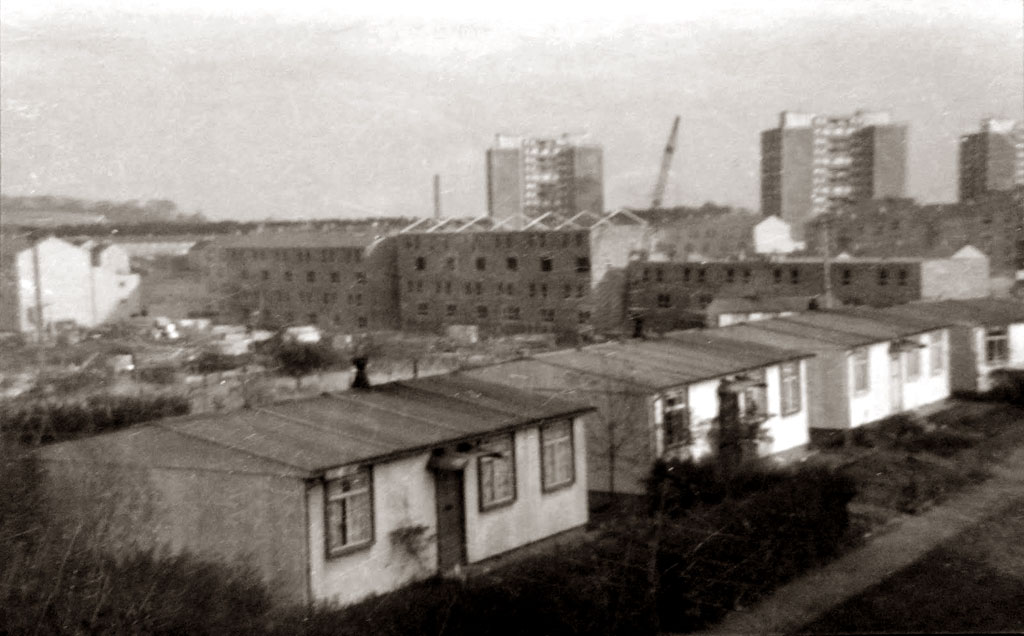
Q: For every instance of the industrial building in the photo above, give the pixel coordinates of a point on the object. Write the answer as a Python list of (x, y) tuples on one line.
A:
[(665, 296), (992, 222), (530, 177), (813, 164)]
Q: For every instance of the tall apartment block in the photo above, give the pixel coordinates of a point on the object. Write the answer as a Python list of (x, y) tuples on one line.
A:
[(529, 177), (992, 158), (813, 164)]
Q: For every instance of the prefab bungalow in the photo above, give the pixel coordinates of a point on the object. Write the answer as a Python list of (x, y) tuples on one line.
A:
[(986, 335), (868, 365), (662, 398), (346, 495)]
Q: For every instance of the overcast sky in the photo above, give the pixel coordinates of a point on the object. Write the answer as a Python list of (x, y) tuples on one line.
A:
[(300, 110)]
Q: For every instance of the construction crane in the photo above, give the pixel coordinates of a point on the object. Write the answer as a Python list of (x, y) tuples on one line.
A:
[(666, 163)]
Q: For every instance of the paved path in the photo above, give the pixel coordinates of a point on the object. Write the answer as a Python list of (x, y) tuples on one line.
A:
[(808, 597)]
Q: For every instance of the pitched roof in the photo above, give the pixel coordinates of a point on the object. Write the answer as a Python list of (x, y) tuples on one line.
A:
[(677, 359), (303, 438), (980, 311), (833, 329)]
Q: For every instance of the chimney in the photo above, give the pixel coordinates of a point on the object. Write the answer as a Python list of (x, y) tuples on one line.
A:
[(360, 381)]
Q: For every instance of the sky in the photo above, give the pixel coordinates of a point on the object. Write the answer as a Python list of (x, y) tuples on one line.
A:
[(301, 109)]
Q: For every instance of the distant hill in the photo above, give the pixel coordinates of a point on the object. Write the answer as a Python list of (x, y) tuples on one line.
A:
[(54, 211)]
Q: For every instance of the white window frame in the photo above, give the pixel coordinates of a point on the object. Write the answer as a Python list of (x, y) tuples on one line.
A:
[(914, 364), (860, 362), (558, 456), (937, 354), (790, 385), (675, 417), (497, 458), (347, 496)]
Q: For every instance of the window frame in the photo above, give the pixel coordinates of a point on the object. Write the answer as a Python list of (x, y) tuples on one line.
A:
[(681, 410), (482, 459), (331, 551), (570, 439), (861, 357), (936, 353), (790, 397), (913, 365), (997, 335)]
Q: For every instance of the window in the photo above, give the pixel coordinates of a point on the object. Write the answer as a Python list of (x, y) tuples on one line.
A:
[(547, 315), (533, 290), (659, 275), (497, 473), (310, 277), (794, 276), (913, 363), (730, 275), (558, 466), (335, 277), (421, 309), (582, 265), (901, 278), (421, 263), (512, 263), (361, 321), (566, 290), (545, 264), (664, 301), (676, 421), (777, 273), (883, 277), (996, 346), (449, 263), (701, 275), (790, 387), (847, 276), (360, 278), (481, 263), (937, 354), (544, 290), (861, 375), (755, 395), (348, 512), (481, 311), (746, 275), (583, 317), (646, 276), (265, 274), (450, 310), (479, 288), (288, 276), (511, 313)]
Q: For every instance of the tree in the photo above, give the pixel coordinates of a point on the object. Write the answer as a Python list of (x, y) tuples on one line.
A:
[(298, 360)]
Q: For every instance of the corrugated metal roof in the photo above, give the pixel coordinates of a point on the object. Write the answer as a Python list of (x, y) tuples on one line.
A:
[(980, 311), (833, 329), (679, 358), (305, 437)]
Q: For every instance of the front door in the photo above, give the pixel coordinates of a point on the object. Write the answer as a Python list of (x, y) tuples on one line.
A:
[(451, 519), (895, 383)]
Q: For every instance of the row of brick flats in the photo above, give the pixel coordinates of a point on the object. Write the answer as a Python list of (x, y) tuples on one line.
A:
[(335, 498)]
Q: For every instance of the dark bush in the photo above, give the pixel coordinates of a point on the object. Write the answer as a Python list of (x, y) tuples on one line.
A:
[(688, 483), (34, 422)]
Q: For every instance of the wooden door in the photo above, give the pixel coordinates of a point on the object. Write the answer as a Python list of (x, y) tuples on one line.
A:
[(451, 519)]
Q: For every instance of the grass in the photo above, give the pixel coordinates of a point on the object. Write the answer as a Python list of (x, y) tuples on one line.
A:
[(982, 569)]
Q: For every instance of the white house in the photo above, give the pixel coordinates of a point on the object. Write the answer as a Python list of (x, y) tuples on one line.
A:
[(51, 281), (986, 335), (868, 365), (346, 495), (660, 399)]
